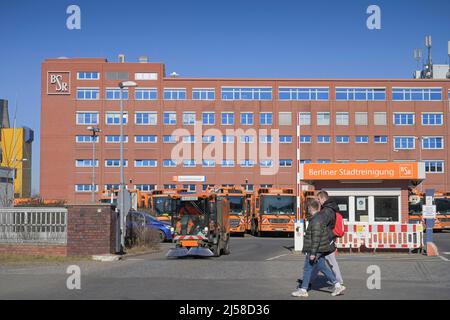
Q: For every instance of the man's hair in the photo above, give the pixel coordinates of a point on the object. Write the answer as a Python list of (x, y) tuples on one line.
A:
[(313, 205), (322, 194)]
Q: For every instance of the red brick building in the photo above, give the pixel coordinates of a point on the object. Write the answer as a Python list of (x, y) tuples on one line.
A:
[(342, 120)]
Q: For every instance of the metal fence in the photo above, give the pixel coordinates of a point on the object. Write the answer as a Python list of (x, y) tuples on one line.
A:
[(33, 225)]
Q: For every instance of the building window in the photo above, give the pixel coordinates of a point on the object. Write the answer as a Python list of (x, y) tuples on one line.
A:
[(114, 94), (88, 93), (404, 143), (285, 163), (265, 118), (434, 166), (266, 139), (188, 118), (208, 139), (227, 139), (116, 75), (168, 163), (362, 139), (266, 163), (247, 163), (246, 139), (323, 118), (342, 161), (170, 118), (88, 76), (323, 161), (227, 163), (188, 139), (146, 94), (86, 139), (175, 94), (417, 94), (190, 187), (203, 94), (111, 186), (323, 139), (169, 139), (285, 139), (432, 143), (208, 163), (85, 188), (227, 118), (115, 163), (380, 139), (113, 118), (305, 139), (305, 94), (208, 118), (85, 163), (115, 139), (404, 119), (342, 139), (432, 119), (360, 94), (246, 93), (380, 118), (146, 76), (145, 187), (285, 118), (170, 186), (361, 119), (305, 118), (146, 118), (146, 139), (87, 117), (247, 118), (305, 161), (145, 163), (342, 119), (189, 163)]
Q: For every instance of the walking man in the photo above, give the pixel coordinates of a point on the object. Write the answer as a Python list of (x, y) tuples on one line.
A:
[(316, 246), (329, 209)]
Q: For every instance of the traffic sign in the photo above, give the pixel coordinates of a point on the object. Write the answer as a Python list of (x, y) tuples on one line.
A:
[(429, 212)]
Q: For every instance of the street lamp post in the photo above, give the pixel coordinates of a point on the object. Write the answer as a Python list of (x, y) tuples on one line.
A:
[(122, 85), (94, 132)]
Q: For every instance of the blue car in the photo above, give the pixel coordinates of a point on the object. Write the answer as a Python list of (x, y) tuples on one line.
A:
[(137, 218)]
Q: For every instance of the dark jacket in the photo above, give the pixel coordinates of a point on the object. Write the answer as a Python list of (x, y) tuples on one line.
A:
[(317, 236), (329, 209)]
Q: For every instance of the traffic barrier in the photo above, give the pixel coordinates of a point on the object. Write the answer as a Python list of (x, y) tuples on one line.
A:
[(353, 238), (381, 236), (394, 236)]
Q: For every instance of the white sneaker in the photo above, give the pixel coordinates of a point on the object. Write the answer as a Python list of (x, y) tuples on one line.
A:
[(300, 293), (338, 290)]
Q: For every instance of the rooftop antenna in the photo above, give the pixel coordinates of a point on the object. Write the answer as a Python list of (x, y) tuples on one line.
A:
[(418, 57), (429, 66)]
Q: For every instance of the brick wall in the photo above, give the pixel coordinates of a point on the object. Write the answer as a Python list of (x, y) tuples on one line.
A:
[(34, 249), (91, 230)]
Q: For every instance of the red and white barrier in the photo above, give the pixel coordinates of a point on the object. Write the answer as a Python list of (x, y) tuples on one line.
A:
[(353, 236)]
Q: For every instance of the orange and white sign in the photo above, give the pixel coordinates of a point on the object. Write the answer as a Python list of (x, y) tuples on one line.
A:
[(363, 171), (58, 82)]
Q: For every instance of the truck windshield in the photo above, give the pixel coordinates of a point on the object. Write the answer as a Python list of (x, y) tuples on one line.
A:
[(278, 205), (236, 204), (162, 206), (191, 217), (442, 205), (415, 208)]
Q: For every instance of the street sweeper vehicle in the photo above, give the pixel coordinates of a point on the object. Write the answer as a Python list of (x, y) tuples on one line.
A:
[(202, 226)]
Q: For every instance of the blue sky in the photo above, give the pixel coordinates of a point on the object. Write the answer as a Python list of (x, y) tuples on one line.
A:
[(199, 38)]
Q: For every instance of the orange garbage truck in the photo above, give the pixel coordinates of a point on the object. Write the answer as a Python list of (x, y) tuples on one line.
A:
[(236, 197), (275, 211), (442, 202), (162, 203), (202, 226)]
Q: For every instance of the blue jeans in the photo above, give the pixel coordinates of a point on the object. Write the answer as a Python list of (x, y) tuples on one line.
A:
[(321, 266)]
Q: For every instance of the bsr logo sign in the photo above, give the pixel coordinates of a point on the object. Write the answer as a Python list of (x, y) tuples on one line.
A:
[(58, 83)]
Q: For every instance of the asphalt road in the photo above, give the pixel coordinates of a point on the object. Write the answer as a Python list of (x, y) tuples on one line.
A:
[(256, 269)]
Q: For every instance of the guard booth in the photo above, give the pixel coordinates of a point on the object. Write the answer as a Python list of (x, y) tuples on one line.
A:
[(367, 193)]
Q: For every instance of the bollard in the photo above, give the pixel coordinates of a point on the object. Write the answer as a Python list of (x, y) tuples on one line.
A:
[(298, 236)]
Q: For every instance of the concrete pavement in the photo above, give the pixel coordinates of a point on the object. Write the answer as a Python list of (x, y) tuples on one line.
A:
[(256, 269)]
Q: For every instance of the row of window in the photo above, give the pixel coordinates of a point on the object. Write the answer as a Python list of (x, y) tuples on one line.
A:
[(265, 93), (151, 163), (265, 118), (116, 76)]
